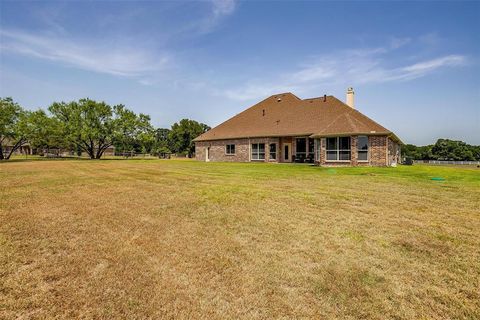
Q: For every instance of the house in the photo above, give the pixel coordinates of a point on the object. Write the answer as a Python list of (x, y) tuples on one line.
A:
[(285, 128), (9, 144)]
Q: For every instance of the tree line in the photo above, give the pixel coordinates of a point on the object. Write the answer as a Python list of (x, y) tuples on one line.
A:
[(91, 127), (443, 149)]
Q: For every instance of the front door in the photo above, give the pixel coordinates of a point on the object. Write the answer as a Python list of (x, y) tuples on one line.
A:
[(207, 154), (287, 156)]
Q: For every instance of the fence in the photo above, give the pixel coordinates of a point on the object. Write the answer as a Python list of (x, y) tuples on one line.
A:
[(448, 162)]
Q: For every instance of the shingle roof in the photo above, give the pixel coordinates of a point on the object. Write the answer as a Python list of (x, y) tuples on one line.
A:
[(285, 114)]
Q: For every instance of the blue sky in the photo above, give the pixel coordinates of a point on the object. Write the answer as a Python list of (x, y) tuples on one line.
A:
[(414, 65)]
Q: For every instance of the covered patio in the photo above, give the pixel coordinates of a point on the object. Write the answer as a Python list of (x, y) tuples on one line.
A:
[(304, 150)]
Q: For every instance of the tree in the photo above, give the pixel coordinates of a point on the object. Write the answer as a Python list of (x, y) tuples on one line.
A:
[(476, 152), (182, 134), (443, 149), (46, 132), (92, 126), (132, 131), (425, 153), (15, 126), (410, 150), (161, 144)]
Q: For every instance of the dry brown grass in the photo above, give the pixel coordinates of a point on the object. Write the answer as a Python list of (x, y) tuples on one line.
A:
[(180, 239)]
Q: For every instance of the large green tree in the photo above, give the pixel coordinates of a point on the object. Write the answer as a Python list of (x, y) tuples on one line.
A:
[(46, 132), (15, 127), (162, 141), (182, 134), (443, 149), (93, 126), (132, 131)]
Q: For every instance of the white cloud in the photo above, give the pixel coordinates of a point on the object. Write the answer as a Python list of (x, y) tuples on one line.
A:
[(101, 56), (430, 39), (421, 68), (314, 73), (120, 55), (347, 67), (255, 91), (218, 11), (396, 43), (223, 7)]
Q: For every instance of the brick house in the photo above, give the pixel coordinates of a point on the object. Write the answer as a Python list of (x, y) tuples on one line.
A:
[(285, 128)]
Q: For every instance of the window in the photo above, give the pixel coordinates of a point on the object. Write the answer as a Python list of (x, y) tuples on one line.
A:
[(317, 149), (301, 147), (362, 148), (273, 151), (338, 149), (311, 145), (258, 151), (230, 149)]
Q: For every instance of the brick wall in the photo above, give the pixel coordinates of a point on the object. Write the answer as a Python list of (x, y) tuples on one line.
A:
[(217, 151), (200, 150), (377, 150), (382, 151), (377, 153), (353, 151), (393, 152), (323, 151)]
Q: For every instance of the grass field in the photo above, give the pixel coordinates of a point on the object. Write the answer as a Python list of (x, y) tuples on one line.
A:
[(185, 239)]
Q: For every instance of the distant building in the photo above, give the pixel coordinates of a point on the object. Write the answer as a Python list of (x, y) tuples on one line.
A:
[(8, 145), (60, 152)]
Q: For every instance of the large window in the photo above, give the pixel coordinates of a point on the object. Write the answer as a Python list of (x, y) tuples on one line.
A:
[(362, 148), (258, 151), (338, 149), (230, 149), (273, 151), (301, 147)]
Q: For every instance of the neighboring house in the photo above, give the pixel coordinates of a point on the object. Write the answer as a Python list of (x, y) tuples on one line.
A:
[(9, 144), (285, 128), (27, 149)]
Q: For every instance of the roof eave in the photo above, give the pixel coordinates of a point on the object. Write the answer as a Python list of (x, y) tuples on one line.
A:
[(338, 134), (302, 134), (386, 133)]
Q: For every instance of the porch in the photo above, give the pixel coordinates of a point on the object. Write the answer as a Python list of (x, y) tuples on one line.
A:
[(303, 150), (297, 149)]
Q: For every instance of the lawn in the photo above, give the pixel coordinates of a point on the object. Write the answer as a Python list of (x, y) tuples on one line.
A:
[(192, 240)]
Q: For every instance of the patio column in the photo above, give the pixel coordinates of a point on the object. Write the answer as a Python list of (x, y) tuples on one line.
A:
[(323, 151)]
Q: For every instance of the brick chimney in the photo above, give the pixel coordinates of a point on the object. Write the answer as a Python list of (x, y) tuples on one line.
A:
[(350, 96)]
